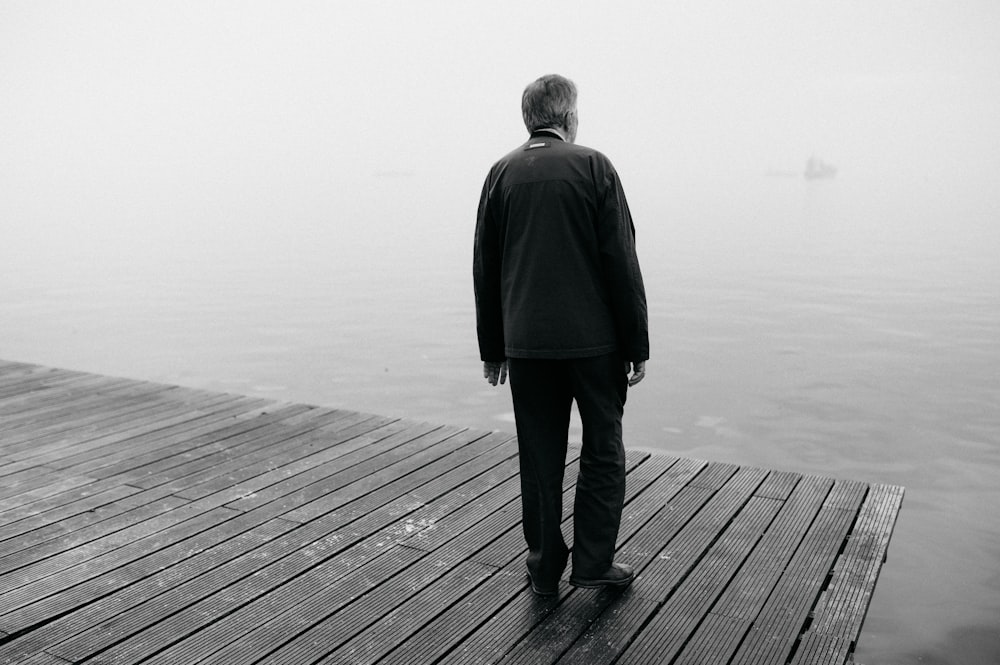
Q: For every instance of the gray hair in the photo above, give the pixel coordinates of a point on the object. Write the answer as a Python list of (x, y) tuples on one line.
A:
[(548, 102)]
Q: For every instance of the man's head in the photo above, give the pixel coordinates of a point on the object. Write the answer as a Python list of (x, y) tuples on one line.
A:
[(550, 102)]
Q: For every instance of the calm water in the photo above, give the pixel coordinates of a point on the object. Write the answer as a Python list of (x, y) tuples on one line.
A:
[(817, 327)]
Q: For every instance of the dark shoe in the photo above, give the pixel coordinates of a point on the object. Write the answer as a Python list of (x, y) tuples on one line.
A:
[(618, 575), (543, 590)]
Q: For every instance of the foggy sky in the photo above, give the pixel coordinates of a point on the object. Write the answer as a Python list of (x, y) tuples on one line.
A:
[(145, 116)]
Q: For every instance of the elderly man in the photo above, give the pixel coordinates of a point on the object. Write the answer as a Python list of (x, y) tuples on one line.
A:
[(560, 303)]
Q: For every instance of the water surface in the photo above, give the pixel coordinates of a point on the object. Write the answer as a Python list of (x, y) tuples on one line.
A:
[(832, 327)]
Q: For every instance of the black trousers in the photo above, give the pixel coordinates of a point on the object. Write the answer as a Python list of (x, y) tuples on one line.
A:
[(543, 392)]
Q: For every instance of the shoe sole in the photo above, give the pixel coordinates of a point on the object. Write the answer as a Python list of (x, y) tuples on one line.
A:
[(597, 584), (542, 592)]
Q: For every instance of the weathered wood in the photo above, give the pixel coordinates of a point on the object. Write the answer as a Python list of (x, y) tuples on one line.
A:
[(141, 522), (499, 635), (163, 435), (98, 413), (815, 649), (254, 617), (180, 575), (679, 616), (90, 454), (328, 583)]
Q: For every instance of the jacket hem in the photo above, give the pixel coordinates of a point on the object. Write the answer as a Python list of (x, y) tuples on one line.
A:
[(562, 354)]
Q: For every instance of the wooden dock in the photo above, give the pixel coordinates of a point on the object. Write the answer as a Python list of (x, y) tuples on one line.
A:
[(145, 523)]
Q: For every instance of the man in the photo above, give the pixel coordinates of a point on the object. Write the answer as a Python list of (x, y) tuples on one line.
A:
[(560, 303)]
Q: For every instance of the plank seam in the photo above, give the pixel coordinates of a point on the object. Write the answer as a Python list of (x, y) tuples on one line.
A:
[(810, 616)]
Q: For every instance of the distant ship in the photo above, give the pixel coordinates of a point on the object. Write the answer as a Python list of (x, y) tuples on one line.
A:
[(817, 168)]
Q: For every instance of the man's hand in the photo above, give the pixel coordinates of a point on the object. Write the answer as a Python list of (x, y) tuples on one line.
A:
[(495, 372), (638, 370)]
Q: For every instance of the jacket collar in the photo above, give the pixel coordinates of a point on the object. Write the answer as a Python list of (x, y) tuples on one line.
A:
[(546, 133)]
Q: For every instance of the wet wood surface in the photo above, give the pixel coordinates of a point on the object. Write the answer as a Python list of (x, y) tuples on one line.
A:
[(146, 523)]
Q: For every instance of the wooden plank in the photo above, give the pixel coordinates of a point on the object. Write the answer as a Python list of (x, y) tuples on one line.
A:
[(44, 659), (41, 391), (496, 519), (657, 502), (287, 454), (511, 544), (138, 620), (96, 454), (40, 560), (504, 627), (60, 484), (145, 640), (262, 627), (281, 614), (173, 526), (745, 594), (153, 448), (25, 482), (264, 512), (665, 571), (58, 457), (548, 640), (146, 537), (678, 618), (669, 505), (50, 453), (784, 614), (39, 476), (135, 417), (339, 482), (23, 507), (66, 488), (841, 609), (318, 597), (442, 632), (778, 485), (715, 640), (439, 636), (170, 580), (569, 619), (817, 649), (372, 628), (59, 519), (253, 585), (38, 389), (715, 475), (413, 454), (84, 527), (763, 647), (465, 525), (494, 638), (793, 598), (76, 424), (11, 366), (752, 587), (612, 631), (329, 471), (59, 405), (245, 449), (195, 458)]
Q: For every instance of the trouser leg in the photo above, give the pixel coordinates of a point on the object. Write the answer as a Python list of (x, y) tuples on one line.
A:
[(542, 401), (599, 385)]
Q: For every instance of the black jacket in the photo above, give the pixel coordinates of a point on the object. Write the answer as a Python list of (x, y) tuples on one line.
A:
[(555, 268)]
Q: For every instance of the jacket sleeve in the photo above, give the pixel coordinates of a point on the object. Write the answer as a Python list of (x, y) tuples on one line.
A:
[(487, 258), (620, 264)]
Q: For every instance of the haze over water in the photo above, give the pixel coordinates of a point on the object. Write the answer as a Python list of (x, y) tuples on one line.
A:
[(279, 200)]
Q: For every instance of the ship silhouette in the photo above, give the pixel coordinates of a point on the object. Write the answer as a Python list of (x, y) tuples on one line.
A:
[(817, 169)]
